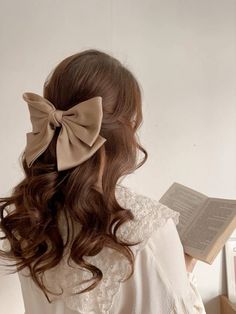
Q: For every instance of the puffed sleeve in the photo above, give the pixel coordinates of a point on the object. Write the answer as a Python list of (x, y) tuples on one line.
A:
[(167, 250)]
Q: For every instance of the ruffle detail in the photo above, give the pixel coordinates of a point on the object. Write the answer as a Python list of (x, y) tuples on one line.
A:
[(149, 215)]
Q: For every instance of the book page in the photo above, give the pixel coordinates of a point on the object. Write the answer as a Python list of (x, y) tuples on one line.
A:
[(187, 202), (209, 226)]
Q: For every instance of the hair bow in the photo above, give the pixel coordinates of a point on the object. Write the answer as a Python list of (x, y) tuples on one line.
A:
[(79, 136)]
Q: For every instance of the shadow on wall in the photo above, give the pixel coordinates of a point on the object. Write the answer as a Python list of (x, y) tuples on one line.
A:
[(223, 275)]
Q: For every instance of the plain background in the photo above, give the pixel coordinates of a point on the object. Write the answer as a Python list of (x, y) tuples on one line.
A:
[(183, 54)]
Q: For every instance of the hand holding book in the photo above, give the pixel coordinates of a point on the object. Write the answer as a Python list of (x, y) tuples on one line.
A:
[(190, 262), (205, 223)]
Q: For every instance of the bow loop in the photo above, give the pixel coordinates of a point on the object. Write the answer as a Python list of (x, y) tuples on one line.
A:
[(79, 135)]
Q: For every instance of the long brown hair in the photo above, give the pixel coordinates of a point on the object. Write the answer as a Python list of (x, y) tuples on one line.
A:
[(32, 226)]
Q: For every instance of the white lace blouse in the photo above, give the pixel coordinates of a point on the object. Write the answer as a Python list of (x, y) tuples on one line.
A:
[(160, 283)]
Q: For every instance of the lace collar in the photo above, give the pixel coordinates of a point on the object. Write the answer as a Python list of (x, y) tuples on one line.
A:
[(149, 215)]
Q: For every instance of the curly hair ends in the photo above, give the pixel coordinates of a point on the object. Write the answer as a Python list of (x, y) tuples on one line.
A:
[(84, 195)]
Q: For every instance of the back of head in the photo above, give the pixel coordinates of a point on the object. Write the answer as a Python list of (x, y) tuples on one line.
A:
[(84, 194)]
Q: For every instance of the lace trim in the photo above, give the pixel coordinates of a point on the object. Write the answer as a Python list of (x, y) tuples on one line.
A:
[(149, 215)]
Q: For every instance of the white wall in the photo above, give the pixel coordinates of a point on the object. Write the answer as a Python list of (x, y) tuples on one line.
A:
[(183, 53)]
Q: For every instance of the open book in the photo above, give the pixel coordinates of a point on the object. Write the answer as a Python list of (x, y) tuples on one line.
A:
[(205, 223)]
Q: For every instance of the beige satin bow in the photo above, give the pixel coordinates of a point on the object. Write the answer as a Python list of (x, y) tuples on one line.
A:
[(79, 136)]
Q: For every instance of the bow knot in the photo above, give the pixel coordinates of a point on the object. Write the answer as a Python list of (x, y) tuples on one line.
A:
[(55, 118), (78, 138)]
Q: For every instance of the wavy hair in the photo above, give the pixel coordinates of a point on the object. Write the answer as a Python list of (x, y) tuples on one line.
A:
[(84, 194)]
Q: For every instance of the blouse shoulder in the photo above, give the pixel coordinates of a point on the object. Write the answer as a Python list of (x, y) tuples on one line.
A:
[(149, 214)]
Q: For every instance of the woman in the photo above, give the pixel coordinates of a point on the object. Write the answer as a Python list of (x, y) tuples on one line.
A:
[(81, 241)]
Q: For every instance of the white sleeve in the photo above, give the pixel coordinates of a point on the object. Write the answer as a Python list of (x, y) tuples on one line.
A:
[(198, 303), (168, 252)]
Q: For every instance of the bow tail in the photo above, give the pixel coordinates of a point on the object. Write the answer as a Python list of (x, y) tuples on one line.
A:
[(37, 143), (71, 151)]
